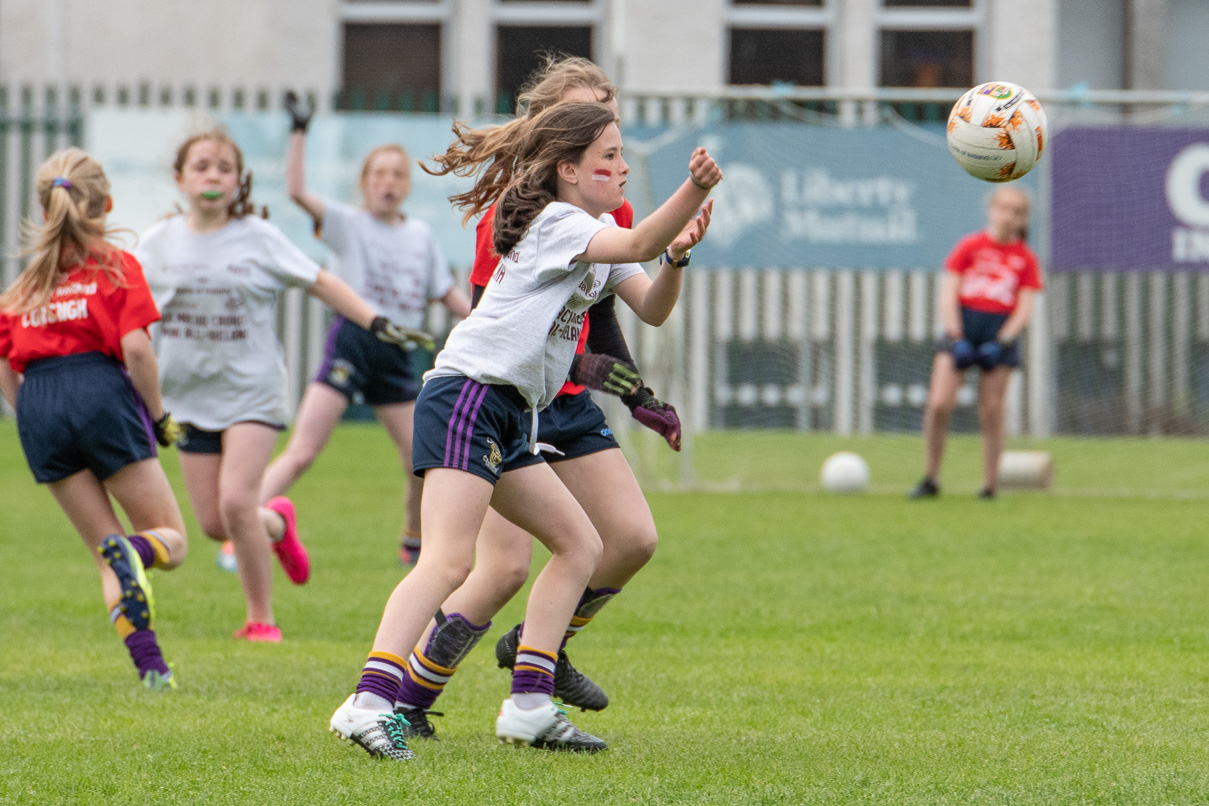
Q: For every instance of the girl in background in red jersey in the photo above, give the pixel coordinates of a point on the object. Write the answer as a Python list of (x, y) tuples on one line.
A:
[(82, 376), (986, 298), (585, 455)]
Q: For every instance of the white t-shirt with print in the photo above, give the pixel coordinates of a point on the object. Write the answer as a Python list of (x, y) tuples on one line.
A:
[(398, 268), (219, 357), (524, 331)]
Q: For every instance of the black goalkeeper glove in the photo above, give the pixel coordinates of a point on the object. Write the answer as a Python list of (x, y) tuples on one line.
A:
[(167, 431), (300, 115), (605, 373), (400, 336), (656, 415)]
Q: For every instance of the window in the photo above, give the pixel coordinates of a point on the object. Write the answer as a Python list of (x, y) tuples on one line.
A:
[(519, 50), (392, 66), (764, 56), (927, 3), (927, 58)]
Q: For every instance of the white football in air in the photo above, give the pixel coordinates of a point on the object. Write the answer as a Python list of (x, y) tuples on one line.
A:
[(997, 131)]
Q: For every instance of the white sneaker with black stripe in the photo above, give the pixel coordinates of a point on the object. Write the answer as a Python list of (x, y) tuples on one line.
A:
[(546, 727), (382, 735)]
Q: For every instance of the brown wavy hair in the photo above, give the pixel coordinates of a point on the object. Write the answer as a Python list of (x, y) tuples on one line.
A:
[(561, 133), (494, 149), (242, 205), (73, 191)]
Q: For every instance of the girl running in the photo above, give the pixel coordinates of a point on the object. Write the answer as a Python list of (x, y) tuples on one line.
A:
[(986, 299), (216, 273), (82, 376), (479, 408), (584, 456), (392, 260)]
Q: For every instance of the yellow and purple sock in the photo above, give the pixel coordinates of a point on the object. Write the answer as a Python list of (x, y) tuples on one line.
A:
[(589, 605), (145, 651), (534, 671), (382, 675), (151, 548)]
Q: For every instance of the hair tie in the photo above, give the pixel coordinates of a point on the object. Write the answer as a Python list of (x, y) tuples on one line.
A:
[(61, 182)]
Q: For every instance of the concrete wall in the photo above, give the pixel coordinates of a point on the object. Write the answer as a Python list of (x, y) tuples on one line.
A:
[(1092, 37)]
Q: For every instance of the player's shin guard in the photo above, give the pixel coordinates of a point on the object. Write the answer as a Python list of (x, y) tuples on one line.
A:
[(430, 669), (589, 605)]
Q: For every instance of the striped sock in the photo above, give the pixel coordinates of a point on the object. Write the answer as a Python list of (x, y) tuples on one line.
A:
[(151, 548), (145, 652), (381, 676), (533, 672), (411, 540), (423, 682), (589, 605), (119, 620)]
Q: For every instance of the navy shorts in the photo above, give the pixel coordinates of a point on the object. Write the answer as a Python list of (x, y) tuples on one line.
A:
[(466, 425), (980, 327), (81, 412), (574, 425), (356, 361), (199, 440)]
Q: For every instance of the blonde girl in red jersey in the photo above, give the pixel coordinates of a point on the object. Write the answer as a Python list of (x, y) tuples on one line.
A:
[(82, 376), (990, 281)]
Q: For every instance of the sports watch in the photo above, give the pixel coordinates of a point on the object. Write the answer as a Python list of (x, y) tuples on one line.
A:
[(676, 264)]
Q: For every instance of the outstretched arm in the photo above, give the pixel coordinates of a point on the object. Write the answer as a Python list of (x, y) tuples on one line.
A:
[(650, 237), (295, 158), (653, 301), (341, 298)]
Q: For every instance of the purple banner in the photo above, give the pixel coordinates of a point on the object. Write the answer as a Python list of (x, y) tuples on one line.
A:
[(1130, 199)]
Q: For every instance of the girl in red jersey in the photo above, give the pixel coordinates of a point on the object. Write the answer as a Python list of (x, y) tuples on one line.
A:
[(585, 455), (82, 376), (986, 298)]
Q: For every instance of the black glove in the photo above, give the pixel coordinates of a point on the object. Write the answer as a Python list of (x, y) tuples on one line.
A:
[(404, 337), (605, 373), (300, 115), (167, 431)]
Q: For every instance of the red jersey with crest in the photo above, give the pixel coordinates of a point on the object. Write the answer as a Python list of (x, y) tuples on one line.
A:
[(485, 261), (992, 274), (88, 312)]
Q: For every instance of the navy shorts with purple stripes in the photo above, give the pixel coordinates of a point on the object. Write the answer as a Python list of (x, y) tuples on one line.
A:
[(471, 426), (81, 412), (356, 362)]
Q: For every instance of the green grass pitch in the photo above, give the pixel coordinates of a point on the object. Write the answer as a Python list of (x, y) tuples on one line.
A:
[(783, 647)]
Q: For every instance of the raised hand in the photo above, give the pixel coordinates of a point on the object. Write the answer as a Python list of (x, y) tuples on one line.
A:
[(693, 232), (300, 114), (702, 169)]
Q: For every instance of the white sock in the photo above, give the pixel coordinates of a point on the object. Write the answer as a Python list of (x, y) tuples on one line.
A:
[(369, 701), (530, 700)]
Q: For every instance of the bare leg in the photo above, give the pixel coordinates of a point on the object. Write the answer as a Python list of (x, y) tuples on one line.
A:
[(942, 400), (397, 419), (144, 493), (992, 392), (605, 487), (318, 415), (86, 504)]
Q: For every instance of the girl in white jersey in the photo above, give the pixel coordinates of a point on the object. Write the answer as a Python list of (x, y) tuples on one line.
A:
[(393, 261), (216, 273), (479, 408)]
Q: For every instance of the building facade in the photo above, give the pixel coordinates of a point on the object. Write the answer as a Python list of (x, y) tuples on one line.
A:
[(458, 53)]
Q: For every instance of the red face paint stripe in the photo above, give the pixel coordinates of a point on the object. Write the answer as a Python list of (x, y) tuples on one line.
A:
[(602, 174)]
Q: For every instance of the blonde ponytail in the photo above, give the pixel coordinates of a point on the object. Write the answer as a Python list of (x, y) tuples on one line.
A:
[(73, 193)]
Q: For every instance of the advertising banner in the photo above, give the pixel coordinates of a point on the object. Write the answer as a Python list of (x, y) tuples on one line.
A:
[(1130, 199)]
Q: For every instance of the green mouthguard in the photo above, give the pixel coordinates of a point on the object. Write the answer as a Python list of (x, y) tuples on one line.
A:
[(211, 194)]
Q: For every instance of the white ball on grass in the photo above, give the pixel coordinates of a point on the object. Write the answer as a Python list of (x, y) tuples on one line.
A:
[(845, 472)]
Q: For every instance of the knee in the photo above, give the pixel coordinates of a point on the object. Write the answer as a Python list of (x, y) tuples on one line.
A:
[(212, 526), (636, 548), (239, 508), (509, 580)]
